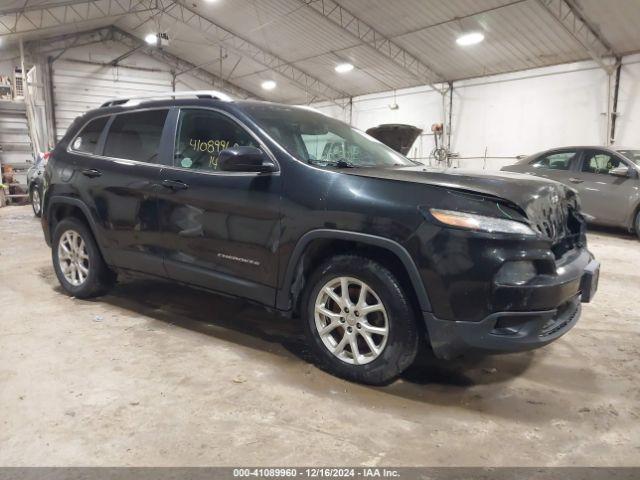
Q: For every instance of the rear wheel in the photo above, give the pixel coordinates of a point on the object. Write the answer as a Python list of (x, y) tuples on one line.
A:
[(77, 261), (637, 224), (36, 200), (359, 321)]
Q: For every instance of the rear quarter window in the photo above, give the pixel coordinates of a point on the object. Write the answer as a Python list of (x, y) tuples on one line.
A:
[(87, 140)]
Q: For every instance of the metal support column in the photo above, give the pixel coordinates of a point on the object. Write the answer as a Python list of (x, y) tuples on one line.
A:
[(49, 104), (614, 111)]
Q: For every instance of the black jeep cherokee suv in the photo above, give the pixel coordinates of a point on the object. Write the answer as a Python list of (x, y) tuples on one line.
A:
[(370, 250)]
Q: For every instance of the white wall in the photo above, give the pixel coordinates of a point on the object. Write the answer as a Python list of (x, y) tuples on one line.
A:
[(511, 114), (525, 112), (628, 123)]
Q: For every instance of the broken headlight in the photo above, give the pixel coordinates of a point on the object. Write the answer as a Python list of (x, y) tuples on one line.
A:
[(473, 221)]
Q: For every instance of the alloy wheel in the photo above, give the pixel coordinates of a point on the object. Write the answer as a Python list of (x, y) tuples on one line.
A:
[(73, 258), (351, 320), (35, 200)]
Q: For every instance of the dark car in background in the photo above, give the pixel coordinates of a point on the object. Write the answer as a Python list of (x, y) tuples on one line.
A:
[(368, 250), (607, 180), (35, 182)]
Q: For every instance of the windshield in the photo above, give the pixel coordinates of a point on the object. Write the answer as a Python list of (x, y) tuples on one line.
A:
[(322, 141), (633, 155)]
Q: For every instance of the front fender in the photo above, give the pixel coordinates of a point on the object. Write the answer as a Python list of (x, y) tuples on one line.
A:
[(283, 297)]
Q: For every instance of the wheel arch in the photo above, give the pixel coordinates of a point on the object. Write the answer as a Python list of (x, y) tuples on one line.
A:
[(59, 208), (316, 245), (634, 216)]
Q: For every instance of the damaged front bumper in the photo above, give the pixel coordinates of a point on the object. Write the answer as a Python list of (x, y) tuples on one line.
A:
[(513, 331)]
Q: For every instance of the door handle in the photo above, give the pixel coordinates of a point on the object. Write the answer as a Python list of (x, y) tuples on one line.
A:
[(575, 180), (91, 172), (174, 185)]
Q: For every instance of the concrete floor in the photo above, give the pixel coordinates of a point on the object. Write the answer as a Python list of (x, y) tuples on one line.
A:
[(155, 374)]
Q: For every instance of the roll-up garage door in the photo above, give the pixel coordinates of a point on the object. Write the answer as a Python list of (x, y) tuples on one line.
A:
[(78, 87)]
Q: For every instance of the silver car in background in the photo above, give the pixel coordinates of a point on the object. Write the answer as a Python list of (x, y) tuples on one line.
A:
[(607, 180)]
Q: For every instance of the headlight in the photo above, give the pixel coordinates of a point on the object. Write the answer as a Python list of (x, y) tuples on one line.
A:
[(473, 221)]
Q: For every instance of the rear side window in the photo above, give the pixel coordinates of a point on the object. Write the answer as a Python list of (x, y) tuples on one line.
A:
[(556, 161), (136, 136), (87, 140)]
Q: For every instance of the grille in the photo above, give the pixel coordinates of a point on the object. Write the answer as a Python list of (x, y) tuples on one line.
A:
[(564, 316)]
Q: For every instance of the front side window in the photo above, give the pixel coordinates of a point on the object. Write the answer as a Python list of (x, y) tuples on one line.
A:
[(203, 134), (136, 136), (600, 162), (633, 155), (555, 161), (87, 140), (322, 141)]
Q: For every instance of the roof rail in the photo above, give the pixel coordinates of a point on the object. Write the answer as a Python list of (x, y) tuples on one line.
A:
[(213, 94)]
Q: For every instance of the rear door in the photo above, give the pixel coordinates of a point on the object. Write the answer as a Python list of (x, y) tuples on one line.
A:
[(118, 174), (608, 198), (221, 229)]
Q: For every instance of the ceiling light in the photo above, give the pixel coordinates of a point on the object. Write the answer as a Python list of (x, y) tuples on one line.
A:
[(151, 39), (344, 67), (470, 38), (268, 85)]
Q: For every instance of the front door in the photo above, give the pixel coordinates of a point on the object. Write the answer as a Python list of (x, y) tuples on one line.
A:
[(604, 196), (221, 229)]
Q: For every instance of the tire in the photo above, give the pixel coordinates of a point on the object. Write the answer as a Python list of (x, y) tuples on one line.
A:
[(35, 197), (396, 351), (637, 224), (95, 278)]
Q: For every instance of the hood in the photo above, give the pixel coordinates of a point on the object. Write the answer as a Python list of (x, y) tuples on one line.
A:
[(395, 135), (547, 204)]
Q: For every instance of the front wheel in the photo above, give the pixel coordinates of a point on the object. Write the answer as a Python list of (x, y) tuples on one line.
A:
[(359, 321), (637, 224), (36, 200), (77, 261)]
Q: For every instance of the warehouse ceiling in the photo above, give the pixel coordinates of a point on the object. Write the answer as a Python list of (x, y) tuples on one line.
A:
[(391, 44)]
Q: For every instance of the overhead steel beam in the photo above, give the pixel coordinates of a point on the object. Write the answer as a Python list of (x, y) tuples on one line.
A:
[(38, 18), (61, 43), (568, 15), (126, 54), (178, 64), (371, 37), (202, 65), (39, 6), (242, 47)]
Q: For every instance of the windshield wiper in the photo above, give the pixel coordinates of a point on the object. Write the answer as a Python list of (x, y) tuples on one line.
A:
[(341, 163)]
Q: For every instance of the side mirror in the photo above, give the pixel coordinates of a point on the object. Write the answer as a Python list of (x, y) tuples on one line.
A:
[(244, 159), (621, 171)]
